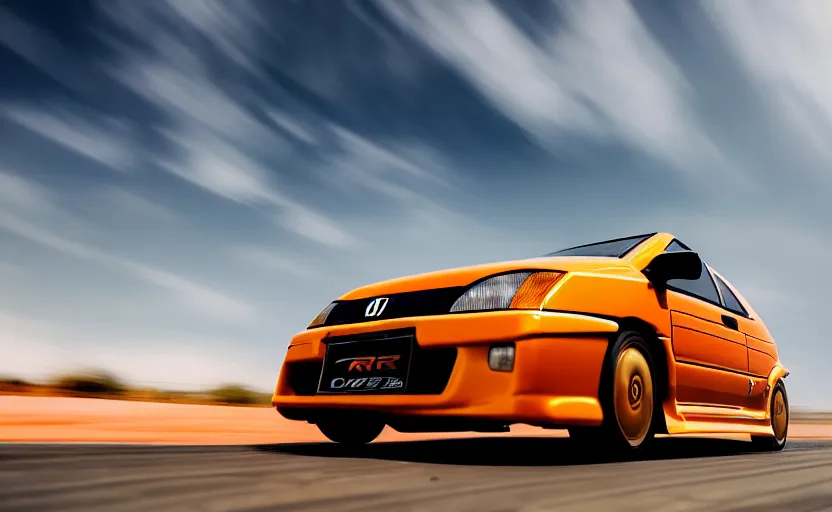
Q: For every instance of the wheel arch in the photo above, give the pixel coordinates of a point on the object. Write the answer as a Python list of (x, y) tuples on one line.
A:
[(777, 374), (658, 356)]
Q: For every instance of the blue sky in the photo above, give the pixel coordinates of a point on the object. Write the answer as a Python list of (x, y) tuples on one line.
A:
[(185, 184)]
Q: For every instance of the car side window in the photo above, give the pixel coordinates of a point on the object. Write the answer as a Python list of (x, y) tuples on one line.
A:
[(732, 303), (703, 288), (676, 246)]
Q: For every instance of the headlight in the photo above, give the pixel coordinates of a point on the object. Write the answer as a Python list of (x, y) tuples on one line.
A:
[(522, 290), (321, 318)]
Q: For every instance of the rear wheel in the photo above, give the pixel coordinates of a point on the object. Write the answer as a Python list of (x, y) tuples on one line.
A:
[(349, 430), (779, 422)]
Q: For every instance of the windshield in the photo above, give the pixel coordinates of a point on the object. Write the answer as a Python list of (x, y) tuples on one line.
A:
[(617, 248)]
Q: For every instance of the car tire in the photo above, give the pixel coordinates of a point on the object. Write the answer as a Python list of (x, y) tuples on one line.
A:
[(628, 397), (584, 435), (352, 431), (779, 414), (590, 440)]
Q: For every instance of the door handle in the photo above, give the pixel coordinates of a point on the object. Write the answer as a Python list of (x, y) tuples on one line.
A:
[(730, 322)]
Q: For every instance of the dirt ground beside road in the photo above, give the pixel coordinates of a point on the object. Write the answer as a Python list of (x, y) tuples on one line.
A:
[(49, 419)]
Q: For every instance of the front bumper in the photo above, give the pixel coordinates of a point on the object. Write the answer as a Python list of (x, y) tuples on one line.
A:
[(558, 362)]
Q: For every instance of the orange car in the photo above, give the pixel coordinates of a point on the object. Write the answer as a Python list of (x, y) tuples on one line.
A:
[(615, 341)]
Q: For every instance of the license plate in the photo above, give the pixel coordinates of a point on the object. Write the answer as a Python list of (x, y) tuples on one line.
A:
[(367, 366)]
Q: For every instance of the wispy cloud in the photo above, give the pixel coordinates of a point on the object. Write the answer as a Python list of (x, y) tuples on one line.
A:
[(218, 167), (211, 163), (220, 141), (234, 31), (272, 260), (121, 199), (409, 173), (188, 96), (22, 195), (199, 298), (488, 49), (292, 126), (30, 199), (600, 75), (202, 299), (179, 78), (380, 159), (785, 48), (102, 139), (309, 224)]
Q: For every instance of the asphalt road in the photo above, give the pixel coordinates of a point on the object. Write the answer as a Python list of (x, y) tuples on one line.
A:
[(480, 474)]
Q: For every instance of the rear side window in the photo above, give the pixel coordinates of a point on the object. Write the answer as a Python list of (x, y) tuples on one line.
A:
[(731, 301)]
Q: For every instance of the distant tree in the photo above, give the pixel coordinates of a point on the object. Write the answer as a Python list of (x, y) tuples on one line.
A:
[(94, 382), (236, 394), (13, 384)]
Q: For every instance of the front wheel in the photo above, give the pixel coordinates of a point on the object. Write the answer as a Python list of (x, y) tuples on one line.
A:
[(352, 431), (779, 422), (628, 396)]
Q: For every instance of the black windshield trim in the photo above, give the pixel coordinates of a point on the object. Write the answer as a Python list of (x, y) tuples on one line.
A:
[(637, 240)]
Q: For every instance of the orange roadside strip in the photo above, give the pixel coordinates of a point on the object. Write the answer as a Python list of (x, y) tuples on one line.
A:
[(52, 419)]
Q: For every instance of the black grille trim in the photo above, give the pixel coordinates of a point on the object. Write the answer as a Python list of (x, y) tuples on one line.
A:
[(303, 377), (437, 301), (431, 370)]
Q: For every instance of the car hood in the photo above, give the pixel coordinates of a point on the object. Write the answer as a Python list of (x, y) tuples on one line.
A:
[(464, 276)]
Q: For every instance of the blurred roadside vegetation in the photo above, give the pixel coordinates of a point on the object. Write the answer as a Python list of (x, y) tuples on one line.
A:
[(101, 384)]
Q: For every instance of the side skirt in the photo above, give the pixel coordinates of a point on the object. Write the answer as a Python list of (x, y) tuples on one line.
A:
[(707, 419)]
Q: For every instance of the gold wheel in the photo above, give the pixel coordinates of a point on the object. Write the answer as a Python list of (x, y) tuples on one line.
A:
[(633, 395), (779, 416)]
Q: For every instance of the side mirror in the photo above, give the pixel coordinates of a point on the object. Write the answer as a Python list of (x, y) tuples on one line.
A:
[(673, 265)]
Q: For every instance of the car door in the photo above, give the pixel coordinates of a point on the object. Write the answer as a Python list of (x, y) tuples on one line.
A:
[(709, 349), (762, 352)]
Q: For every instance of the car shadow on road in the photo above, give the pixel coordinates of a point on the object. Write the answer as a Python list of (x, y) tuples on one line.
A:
[(508, 451)]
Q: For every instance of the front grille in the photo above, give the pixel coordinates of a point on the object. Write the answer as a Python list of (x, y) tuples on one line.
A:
[(399, 305), (430, 368)]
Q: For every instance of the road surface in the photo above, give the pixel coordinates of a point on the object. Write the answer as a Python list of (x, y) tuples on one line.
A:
[(478, 474)]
